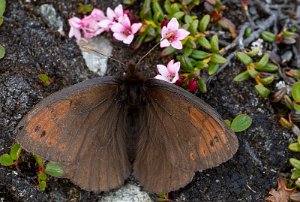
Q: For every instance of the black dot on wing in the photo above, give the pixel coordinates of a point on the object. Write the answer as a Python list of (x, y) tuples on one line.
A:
[(211, 143), (37, 128), (43, 133)]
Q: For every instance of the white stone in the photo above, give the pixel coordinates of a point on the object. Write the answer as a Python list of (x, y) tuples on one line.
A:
[(127, 193), (95, 61)]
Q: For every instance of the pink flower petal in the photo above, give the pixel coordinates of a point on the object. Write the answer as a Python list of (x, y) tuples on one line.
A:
[(173, 25), (135, 27), (164, 32), (105, 24), (110, 13), (128, 39), (170, 67), (74, 22), (176, 77), (119, 10), (124, 20), (176, 44), (160, 77), (98, 13), (164, 43), (120, 36), (181, 34), (117, 27), (163, 70)]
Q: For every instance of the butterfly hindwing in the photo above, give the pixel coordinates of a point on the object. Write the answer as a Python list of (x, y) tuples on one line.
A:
[(181, 134), (82, 128)]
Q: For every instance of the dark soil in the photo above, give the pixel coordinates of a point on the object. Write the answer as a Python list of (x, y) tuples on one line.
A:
[(32, 48)]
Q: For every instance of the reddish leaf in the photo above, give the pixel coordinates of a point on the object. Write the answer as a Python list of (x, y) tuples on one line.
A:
[(227, 24)]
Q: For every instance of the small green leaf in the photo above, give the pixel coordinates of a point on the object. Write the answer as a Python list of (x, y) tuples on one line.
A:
[(2, 52), (200, 65), (146, 10), (188, 19), (185, 63), (247, 32), (295, 163), (298, 140), (242, 76), (245, 59), (228, 122), (216, 58), (214, 43), (296, 107), (296, 174), (268, 36), (128, 2), (263, 61), (199, 55), (2, 7), (202, 85), (54, 169), (267, 80), (262, 91), (167, 6), (85, 8), (190, 43), (15, 151), (6, 160), (212, 68), (178, 15), (187, 51), (269, 67), (193, 27), (241, 123), (288, 102), (295, 147), (39, 161), (296, 91), (202, 41), (253, 73), (42, 177), (42, 185), (1, 20), (204, 22)]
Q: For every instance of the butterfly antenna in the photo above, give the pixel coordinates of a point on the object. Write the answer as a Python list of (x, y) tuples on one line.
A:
[(148, 53), (93, 50)]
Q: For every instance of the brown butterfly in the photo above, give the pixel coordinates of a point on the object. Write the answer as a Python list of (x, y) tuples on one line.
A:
[(102, 129)]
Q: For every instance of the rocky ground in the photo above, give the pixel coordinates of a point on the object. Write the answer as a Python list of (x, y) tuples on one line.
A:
[(33, 46)]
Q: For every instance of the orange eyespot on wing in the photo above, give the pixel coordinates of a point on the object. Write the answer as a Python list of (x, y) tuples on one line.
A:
[(181, 135), (81, 128)]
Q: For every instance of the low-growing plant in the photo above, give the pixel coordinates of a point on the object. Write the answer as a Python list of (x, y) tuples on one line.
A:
[(50, 168), (2, 9), (262, 71), (12, 157), (240, 123)]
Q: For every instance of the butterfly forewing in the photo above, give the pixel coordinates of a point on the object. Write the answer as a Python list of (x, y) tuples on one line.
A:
[(181, 134), (82, 128)]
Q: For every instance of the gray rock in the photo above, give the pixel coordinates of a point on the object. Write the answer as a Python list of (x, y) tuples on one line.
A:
[(95, 61)]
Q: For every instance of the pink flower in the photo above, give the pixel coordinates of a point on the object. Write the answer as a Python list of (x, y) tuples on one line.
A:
[(75, 24), (88, 25), (123, 30), (169, 73), (112, 16), (172, 35)]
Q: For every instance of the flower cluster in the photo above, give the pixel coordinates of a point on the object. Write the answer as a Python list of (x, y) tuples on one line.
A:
[(118, 21), (97, 22)]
